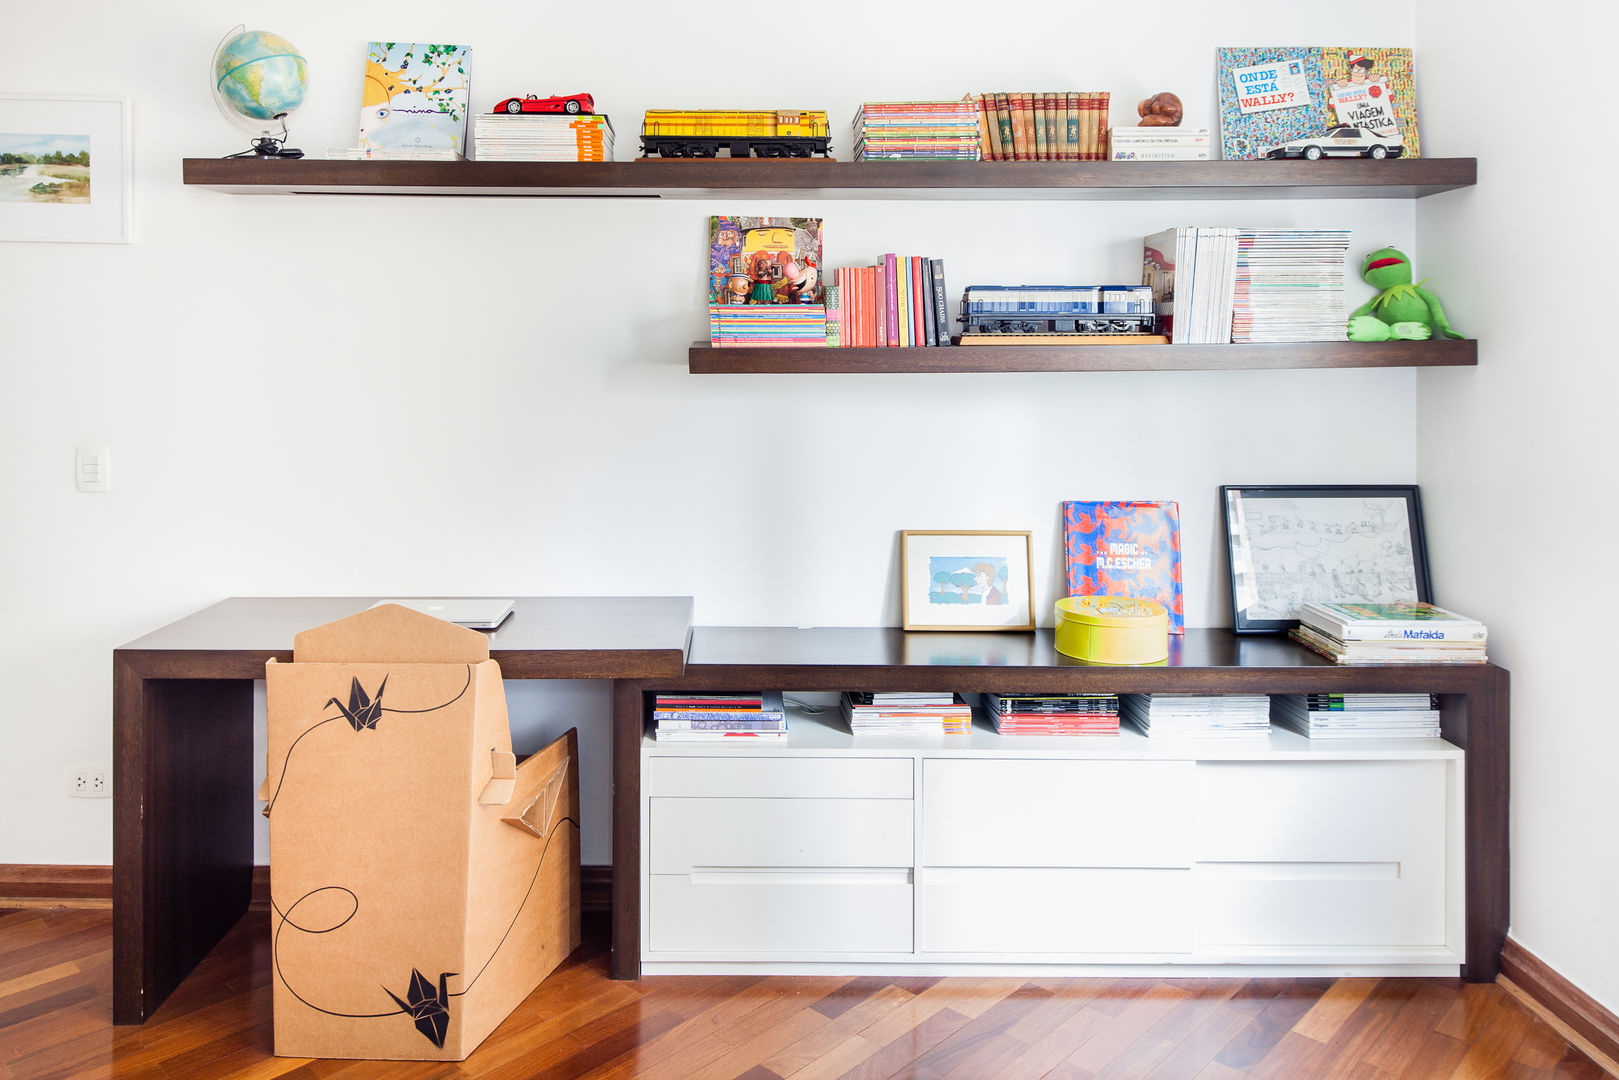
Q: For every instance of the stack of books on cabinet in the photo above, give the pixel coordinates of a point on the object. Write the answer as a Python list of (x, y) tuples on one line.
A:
[(719, 717), (1395, 633), (1054, 714), (907, 713), (1198, 716), (1358, 716)]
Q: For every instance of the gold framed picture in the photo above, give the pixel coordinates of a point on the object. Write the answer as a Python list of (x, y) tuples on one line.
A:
[(966, 580)]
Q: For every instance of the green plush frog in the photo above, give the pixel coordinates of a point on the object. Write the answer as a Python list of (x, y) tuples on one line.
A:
[(1402, 310)]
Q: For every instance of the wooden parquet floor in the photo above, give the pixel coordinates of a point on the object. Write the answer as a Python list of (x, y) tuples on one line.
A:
[(55, 1021)]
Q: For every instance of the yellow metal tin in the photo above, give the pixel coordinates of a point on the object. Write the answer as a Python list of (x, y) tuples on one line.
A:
[(1113, 629)]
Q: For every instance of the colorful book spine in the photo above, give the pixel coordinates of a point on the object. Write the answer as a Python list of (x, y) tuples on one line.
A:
[(891, 300), (914, 278), (1003, 126), (929, 317), (1071, 138), (884, 284), (988, 144), (941, 311), (832, 297)]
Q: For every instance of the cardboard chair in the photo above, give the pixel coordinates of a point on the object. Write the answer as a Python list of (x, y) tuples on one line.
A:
[(423, 881)]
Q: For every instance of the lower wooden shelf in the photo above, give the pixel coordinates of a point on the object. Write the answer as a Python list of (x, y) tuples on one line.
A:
[(705, 359)]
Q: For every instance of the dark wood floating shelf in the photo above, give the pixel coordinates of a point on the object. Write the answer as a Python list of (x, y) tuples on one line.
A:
[(701, 179), (707, 360)]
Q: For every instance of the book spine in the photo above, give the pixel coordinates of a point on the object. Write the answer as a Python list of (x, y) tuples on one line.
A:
[(890, 301), (833, 295), (1053, 127), (929, 315), (1102, 99), (1042, 146), (905, 302), (918, 334), (1403, 633), (941, 310), (988, 144), (881, 296), (1072, 137), (721, 725)]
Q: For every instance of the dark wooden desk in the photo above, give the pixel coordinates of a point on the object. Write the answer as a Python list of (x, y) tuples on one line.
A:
[(183, 735), (1473, 715), (183, 746)]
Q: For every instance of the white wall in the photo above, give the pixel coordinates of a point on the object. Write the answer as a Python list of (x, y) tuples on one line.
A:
[(373, 396), (1516, 459)]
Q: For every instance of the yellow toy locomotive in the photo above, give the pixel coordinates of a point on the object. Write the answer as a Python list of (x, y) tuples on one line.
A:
[(798, 133)]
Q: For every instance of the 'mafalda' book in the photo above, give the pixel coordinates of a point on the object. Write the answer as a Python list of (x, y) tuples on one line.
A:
[(1407, 620), (1125, 549)]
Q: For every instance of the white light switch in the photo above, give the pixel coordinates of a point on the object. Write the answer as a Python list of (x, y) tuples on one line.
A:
[(92, 468)]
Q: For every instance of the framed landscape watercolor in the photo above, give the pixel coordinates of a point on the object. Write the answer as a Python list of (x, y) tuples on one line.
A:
[(974, 580), (65, 169), (1290, 544)]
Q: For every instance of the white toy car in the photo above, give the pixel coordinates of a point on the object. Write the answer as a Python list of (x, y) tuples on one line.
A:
[(1340, 141)]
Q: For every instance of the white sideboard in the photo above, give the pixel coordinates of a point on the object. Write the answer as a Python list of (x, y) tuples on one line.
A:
[(989, 854)]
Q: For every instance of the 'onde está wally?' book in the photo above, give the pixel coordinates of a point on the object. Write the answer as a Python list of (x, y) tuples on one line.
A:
[(1270, 96)]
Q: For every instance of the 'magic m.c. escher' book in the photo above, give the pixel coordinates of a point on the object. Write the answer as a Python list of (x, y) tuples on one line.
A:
[(1125, 549)]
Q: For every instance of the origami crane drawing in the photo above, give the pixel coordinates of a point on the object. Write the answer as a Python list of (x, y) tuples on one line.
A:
[(362, 712), (430, 1010)]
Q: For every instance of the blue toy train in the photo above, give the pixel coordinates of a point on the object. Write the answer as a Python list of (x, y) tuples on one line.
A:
[(1058, 309)]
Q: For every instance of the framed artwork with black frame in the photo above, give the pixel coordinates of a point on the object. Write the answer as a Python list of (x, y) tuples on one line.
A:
[(1289, 544)]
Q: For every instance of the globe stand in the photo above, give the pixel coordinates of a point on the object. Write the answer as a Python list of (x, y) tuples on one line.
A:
[(268, 146)]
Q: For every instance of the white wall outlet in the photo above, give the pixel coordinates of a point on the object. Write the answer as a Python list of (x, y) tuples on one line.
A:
[(89, 781), (92, 468)]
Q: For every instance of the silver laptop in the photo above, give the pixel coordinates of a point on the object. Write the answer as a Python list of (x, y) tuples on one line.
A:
[(480, 613)]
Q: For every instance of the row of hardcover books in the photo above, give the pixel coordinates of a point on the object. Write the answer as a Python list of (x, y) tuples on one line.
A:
[(1034, 125), (898, 303), (700, 717)]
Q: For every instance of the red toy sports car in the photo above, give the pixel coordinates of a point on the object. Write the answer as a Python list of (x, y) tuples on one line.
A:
[(571, 103)]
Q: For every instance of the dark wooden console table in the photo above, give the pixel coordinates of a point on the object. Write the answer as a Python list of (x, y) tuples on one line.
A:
[(183, 737), (1473, 715)]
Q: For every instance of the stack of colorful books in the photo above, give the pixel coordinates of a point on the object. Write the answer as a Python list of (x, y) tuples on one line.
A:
[(1289, 285), (1043, 125), (899, 303), (1408, 632), (1198, 716), (916, 131), (1358, 716), (775, 325), (907, 713), (719, 717), (531, 137), (1054, 714)]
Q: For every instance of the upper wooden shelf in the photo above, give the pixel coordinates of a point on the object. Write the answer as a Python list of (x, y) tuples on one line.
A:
[(700, 179), (704, 359)]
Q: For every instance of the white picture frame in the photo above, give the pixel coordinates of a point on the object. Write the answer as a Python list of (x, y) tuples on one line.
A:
[(63, 201), (966, 580)]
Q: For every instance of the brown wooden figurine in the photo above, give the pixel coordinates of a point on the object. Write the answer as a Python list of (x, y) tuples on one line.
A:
[(1160, 110)]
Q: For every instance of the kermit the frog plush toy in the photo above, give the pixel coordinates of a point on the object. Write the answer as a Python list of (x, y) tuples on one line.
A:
[(1401, 310)]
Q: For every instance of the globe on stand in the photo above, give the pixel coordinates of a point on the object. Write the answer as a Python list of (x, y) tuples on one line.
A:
[(259, 80)]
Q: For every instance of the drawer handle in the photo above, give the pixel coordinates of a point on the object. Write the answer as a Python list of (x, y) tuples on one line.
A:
[(764, 875), (1300, 871)]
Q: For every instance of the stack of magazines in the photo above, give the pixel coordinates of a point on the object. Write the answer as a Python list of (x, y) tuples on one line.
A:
[(500, 137), (773, 325), (1358, 716), (1198, 716), (1406, 632), (916, 131), (719, 717), (907, 713), (1290, 285), (1054, 714)]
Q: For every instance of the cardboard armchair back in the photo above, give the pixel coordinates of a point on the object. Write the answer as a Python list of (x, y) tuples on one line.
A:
[(423, 881)]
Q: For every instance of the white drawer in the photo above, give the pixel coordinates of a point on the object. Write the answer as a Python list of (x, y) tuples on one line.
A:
[(1321, 853), (1057, 813), (1326, 811), (1006, 910), (735, 777), (802, 833), (786, 914)]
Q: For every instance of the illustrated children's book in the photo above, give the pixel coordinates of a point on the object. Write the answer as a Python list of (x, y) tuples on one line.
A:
[(1126, 549), (415, 97), (1269, 96), (764, 260)]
